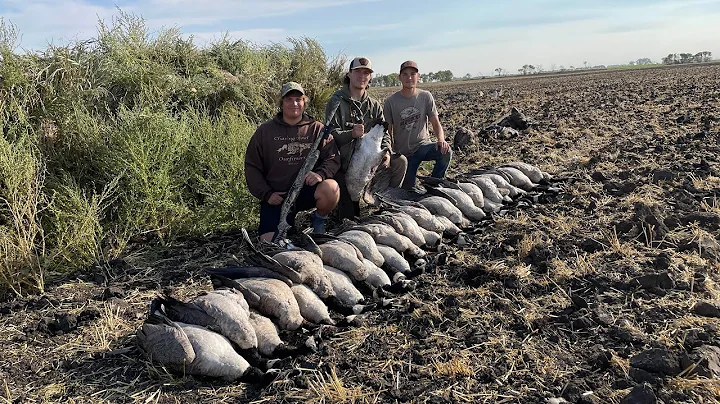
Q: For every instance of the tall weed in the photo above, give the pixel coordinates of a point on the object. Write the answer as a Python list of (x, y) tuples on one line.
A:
[(22, 244)]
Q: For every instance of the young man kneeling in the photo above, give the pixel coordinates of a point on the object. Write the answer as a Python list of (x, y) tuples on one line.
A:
[(276, 153), (408, 112)]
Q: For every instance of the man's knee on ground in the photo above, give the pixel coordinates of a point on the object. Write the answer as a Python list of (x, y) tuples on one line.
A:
[(399, 162)]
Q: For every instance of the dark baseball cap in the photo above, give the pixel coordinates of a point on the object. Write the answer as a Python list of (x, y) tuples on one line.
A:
[(361, 63), (409, 63), (291, 86)]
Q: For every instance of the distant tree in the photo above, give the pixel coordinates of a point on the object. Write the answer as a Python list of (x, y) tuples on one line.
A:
[(643, 61), (631, 63), (540, 68), (467, 76), (704, 56), (444, 75), (671, 59), (586, 64), (499, 70), (393, 79), (428, 77), (686, 57), (527, 69)]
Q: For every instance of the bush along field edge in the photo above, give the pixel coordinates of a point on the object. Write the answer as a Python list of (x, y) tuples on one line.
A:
[(131, 135)]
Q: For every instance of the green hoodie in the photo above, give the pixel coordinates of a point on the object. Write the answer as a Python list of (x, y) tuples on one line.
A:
[(342, 122)]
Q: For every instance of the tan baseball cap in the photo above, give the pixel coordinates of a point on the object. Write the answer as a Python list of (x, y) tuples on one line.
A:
[(409, 63), (291, 86), (361, 63)]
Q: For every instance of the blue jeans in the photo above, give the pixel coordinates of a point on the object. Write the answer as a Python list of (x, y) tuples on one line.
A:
[(427, 152)]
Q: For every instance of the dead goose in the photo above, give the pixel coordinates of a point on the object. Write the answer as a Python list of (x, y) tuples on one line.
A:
[(311, 307), (465, 204), (276, 300), (267, 333), (223, 311), (443, 207), (192, 349), (517, 178), (310, 268), (422, 217), (269, 342), (450, 228), (413, 229), (474, 192), (502, 183), (532, 172), (344, 256), (377, 278), (394, 260), (366, 156), (404, 225), (345, 291), (489, 189), (431, 238), (385, 234), (365, 243)]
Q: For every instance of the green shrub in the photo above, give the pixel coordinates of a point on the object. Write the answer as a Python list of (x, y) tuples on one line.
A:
[(132, 133)]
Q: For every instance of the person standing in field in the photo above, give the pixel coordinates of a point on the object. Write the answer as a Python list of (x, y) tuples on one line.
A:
[(357, 114), (408, 112), (275, 155)]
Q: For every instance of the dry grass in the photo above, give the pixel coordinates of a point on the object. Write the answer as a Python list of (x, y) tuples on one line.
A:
[(454, 367), (708, 183), (616, 246), (331, 389)]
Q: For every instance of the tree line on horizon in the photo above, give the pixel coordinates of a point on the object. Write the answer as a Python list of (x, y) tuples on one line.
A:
[(682, 58), (393, 79)]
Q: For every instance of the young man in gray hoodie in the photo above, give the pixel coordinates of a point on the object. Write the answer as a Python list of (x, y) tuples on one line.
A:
[(356, 115)]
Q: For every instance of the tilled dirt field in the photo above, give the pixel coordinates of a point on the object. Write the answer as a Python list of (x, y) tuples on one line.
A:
[(607, 292)]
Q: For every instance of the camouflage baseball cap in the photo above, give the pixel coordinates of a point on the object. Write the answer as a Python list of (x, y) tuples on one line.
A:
[(361, 63), (291, 86), (409, 63)]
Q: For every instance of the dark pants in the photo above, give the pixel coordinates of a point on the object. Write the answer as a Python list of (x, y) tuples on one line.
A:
[(270, 214), (346, 208), (426, 152)]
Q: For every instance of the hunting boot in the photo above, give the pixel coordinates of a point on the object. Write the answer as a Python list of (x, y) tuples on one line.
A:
[(318, 223)]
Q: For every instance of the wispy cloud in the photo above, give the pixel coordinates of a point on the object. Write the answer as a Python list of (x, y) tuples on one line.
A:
[(460, 35)]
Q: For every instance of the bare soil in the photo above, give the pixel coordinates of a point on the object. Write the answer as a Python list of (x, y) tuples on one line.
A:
[(604, 292)]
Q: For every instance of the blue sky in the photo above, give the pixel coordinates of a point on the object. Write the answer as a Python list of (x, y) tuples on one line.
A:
[(472, 37)]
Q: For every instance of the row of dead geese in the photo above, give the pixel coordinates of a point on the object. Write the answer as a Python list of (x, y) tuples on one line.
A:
[(233, 331)]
